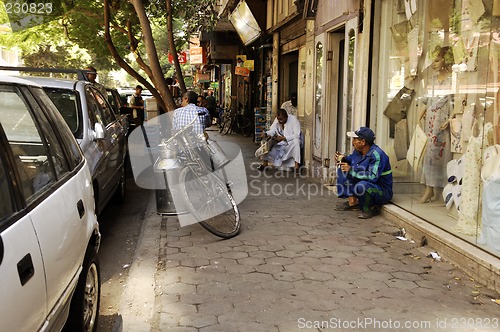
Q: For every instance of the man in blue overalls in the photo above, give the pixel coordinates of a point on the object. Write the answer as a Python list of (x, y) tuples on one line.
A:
[(364, 177)]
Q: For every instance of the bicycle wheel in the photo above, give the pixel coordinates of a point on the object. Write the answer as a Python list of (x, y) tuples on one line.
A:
[(247, 126), (230, 125), (224, 122), (209, 201)]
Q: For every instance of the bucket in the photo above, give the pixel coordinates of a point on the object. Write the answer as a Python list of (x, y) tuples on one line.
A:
[(219, 157)]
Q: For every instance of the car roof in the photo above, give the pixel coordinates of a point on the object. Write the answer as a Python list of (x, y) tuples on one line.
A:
[(130, 91), (16, 80), (52, 82)]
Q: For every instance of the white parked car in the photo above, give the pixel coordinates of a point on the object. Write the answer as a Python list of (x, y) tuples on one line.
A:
[(98, 130), (49, 234)]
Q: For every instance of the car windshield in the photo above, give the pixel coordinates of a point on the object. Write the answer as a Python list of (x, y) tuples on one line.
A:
[(67, 104)]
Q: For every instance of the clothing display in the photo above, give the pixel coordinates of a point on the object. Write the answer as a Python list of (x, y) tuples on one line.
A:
[(416, 149), (470, 210), (437, 151), (490, 219), (490, 230)]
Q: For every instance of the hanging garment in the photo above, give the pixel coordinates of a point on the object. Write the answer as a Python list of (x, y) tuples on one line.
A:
[(437, 152), (470, 207)]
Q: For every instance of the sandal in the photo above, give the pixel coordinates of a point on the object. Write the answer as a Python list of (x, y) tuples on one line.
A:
[(346, 207)]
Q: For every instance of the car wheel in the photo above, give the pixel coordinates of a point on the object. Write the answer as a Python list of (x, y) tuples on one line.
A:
[(120, 190), (84, 309)]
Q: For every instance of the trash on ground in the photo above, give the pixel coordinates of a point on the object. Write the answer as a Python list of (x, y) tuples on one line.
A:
[(435, 256)]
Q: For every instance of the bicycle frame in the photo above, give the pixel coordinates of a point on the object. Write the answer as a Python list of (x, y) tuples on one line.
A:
[(183, 144), (195, 183)]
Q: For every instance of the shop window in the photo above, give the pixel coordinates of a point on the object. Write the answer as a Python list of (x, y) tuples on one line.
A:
[(439, 82)]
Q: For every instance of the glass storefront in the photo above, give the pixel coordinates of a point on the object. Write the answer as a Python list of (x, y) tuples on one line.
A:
[(439, 98)]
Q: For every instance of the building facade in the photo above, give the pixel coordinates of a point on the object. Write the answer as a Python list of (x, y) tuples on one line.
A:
[(423, 74)]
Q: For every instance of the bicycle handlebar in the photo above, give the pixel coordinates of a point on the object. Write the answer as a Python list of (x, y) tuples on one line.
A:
[(178, 133)]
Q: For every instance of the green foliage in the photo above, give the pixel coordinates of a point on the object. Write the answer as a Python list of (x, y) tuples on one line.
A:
[(63, 56), (197, 16), (82, 23)]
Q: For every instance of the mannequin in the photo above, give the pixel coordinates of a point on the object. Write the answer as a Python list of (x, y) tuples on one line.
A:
[(437, 152)]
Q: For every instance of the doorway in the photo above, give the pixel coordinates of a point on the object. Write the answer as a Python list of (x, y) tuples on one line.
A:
[(289, 75)]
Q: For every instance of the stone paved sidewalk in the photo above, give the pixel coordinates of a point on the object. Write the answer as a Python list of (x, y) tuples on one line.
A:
[(298, 265)]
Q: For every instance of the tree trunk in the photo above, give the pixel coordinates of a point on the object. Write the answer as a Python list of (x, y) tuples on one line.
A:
[(123, 64), (173, 50), (158, 78)]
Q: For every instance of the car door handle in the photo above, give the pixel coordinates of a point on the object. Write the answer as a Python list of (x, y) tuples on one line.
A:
[(25, 269), (1, 250), (80, 208)]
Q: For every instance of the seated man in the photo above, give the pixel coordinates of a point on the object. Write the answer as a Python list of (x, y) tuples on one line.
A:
[(364, 176), (188, 111), (285, 130)]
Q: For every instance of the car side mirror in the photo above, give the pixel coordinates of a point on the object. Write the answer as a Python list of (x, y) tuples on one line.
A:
[(99, 131)]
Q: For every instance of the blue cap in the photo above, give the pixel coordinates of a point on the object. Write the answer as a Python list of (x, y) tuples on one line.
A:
[(363, 133)]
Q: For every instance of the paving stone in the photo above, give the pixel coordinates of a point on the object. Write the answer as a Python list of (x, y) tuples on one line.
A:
[(403, 284), (240, 269), (215, 307), (296, 258), (279, 261), (262, 254), (382, 268), (298, 268), (354, 268), (213, 287), (371, 284), (406, 276), (321, 276), (197, 320), (269, 268), (179, 309), (223, 261), (251, 261), (194, 262), (257, 277), (376, 275), (235, 254)]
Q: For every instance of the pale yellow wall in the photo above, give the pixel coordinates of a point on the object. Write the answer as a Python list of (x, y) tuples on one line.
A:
[(278, 11)]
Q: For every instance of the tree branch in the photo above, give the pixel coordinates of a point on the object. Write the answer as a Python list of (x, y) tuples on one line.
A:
[(122, 63), (154, 62)]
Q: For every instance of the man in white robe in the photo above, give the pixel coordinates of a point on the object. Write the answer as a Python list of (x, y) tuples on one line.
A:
[(285, 130)]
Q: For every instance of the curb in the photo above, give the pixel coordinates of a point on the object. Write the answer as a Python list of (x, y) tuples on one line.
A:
[(138, 299)]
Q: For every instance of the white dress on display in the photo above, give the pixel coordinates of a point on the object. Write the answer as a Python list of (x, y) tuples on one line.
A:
[(470, 207)]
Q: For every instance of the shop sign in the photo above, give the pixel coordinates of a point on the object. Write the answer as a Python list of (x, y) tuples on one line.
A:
[(203, 77), (197, 55), (242, 71), (181, 56), (249, 64)]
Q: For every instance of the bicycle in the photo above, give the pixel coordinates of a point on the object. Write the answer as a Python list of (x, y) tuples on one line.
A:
[(199, 174), (237, 122)]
